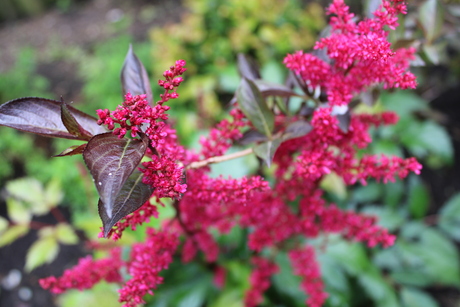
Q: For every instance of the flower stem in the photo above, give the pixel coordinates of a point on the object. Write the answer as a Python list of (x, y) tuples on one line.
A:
[(219, 159)]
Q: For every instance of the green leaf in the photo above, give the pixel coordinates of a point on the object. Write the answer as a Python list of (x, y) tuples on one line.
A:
[(254, 107), (377, 288), (102, 294), (18, 212), (53, 193), (411, 277), (351, 256), (334, 184), (435, 255), (30, 191), (369, 193), (412, 297), (3, 224), (196, 295), (449, 217), (393, 193), (65, 234), (266, 150), (404, 103), (431, 17), (228, 298), (333, 274), (285, 281), (42, 251), (388, 218), (418, 198), (437, 140), (13, 233)]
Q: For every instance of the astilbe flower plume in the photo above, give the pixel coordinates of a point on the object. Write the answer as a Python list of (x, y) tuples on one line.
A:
[(359, 56), (359, 53), (87, 273), (147, 260)]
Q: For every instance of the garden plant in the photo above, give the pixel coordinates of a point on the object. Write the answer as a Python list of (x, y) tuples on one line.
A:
[(303, 133)]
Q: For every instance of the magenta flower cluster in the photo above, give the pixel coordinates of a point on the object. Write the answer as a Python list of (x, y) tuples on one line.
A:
[(359, 56)]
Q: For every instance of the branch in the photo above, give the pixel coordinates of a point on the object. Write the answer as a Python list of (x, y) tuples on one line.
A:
[(219, 159)]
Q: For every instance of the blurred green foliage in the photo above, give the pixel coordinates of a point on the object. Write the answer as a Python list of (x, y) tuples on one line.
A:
[(211, 34), (14, 9)]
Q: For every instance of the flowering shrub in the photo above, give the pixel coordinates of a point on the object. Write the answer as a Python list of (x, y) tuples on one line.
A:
[(136, 161)]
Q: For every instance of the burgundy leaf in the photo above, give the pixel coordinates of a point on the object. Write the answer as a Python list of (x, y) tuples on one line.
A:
[(255, 107), (266, 151), (247, 67), (72, 150), (72, 125), (111, 161), (132, 196), (43, 116), (134, 78), (251, 136), (296, 129), (344, 121), (305, 110), (274, 89)]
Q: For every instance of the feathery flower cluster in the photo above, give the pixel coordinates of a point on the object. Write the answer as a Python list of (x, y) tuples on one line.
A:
[(359, 53), (260, 280), (136, 111), (86, 273), (147, 260), (305, 265), (360, 56)]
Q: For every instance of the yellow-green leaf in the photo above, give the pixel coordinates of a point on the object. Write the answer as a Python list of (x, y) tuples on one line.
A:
[(3, 224), (18, 211), (42, 251), (53, 193), (65, 234), (30, 191), (13, 233), (48, 231)]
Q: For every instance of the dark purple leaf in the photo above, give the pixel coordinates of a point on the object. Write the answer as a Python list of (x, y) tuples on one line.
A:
[(297, 129), (403, 43), (305, 110), (247, 67), (344, 121), (266, 151), (111, 161), (134, 78), (131, 197), (72, 150), (370, 97), (43, 116), (72, 125), (274, 89), (251, 136), (431, 17), (254, 107)]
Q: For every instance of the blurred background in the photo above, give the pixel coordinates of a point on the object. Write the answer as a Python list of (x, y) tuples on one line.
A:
[(75, 49)]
